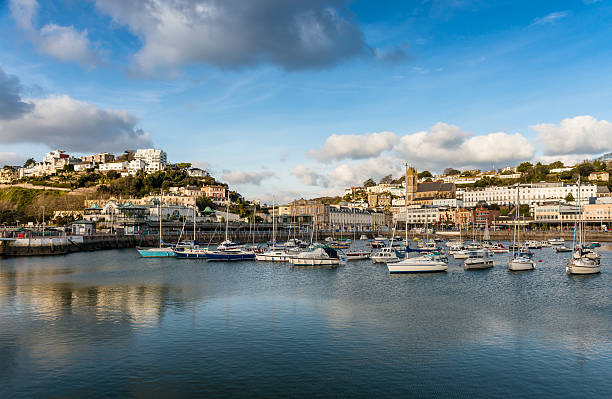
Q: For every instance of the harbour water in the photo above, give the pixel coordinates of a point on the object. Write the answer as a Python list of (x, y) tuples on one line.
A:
[(111, 324)]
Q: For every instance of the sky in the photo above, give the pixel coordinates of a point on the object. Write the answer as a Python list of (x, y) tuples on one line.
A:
[(286, 99)]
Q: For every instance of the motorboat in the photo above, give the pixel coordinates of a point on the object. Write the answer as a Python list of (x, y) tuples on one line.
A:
[(364, 237), (358, 254), (274, 255), (463, 254), (556, 241), (563, 248), (322, 256), (545, 244), (419, 264), (453, 249), (342, 244), (385, 255), (533, 244), (227, 244), (498, 248), (478, 260), (379, 242)]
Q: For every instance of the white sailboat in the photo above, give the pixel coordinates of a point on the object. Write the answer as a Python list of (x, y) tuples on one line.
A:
[(419, 264), (274, 253), (161, 251), (518, 262), (582, 261)]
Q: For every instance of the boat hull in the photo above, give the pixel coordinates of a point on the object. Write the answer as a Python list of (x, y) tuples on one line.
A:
[(581, 268), (273, 258), (221, 257), (315, 262), (404, 269), (520, 266), (157, 253), (479, 265)]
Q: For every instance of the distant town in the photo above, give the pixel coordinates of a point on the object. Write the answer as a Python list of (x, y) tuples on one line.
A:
[(127, 192)]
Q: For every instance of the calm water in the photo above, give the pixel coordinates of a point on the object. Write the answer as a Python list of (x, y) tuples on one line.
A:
[(110, 324)]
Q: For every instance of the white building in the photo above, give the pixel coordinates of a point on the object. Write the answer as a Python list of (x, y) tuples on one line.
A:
[(448, 202), (354, 218), (417, 214), (151, 156), (116, 166), (154, 167), (531, 194), (197, 172), (135, 165)]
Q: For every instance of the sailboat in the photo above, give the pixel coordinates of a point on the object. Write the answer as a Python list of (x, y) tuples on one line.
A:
[(161, 251), (274, 253), (420, 264), (520, 261), (582, 260)]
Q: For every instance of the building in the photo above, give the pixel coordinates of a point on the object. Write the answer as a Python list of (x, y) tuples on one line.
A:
[(554, 213), (197, 172), (135, 165), (151, 156), (307, 212), (83, 228), (599, 176), (84, 166), (116, 166), (379, 200), (354, 219), (597, 213), (8, 174), (531, 194), (417, 215), (214, 192), (99, 158), (484, 217)]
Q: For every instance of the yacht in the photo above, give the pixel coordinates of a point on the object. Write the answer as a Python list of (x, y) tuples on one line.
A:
[(563, 248), (322, 256), (556, 241), (498, 248), (385, 255), (274, 255), (419, 264), (478, 260), (584, 260), (163, 251), (357, 254), (364, 237), (521, 260), (533, 244)]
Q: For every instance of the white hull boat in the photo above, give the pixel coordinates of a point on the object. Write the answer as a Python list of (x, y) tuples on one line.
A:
[(357, 255), (385, 255), (521, 264), (479, 260), (420, 264), (274, 256), (318, 257), (582, 266)]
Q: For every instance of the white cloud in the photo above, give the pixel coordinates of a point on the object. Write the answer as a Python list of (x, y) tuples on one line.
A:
[(292, 34), (354, 146), (578, 135), (551, 18), (62, 42), (254, 178), (447, 145), (350, 174), (11, 158), (308, 177), (62, 122)]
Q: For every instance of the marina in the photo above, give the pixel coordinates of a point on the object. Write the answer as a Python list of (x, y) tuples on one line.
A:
[(109, 323)]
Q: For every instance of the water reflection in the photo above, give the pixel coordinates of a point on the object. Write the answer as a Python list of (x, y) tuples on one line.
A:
[(115, 324)]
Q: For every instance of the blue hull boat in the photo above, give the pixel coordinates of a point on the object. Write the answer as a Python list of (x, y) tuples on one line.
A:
[(229, 256)]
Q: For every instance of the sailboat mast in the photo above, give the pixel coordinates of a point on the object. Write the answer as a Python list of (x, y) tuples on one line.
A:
[(273, 224), (226, 221), (514, 237), (160, 223), (194, 222), (406, 206)]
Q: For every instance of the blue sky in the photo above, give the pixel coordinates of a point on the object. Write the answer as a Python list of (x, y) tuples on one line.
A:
[(293, 98)]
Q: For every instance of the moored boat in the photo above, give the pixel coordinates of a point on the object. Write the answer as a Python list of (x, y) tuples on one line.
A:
[(385, 255), (322, 256), (419, 264), (478, 260)]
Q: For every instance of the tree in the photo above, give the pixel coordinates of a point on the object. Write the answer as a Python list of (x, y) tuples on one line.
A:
[(524, 167), (569, 198), (112, 175), (451, 172), (369, 183), (183, 165), (556, 165), (424, 173), (127, 156), (585, 169), (29, 162), (68, 168), (386, 180)]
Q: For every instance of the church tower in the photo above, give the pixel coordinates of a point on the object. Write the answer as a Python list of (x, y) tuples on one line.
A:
[(411, 183)]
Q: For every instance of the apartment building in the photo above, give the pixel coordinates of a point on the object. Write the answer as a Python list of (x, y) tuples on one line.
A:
[(531, 194)]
